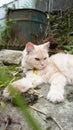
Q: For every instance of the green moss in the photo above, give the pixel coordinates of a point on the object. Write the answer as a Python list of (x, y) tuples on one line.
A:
[(12, 67)]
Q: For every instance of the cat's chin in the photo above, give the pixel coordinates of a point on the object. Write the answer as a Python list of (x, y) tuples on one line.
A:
[(40, 68)]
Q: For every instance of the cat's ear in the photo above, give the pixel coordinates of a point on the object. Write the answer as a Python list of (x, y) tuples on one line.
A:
[(29, 47), (46, 45)]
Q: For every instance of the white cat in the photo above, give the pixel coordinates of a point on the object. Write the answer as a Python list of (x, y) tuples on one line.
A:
[(40, 68)]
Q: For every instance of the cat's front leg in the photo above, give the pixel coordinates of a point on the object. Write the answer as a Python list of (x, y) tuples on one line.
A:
[(21, 85), (24, 84), (56, 93)]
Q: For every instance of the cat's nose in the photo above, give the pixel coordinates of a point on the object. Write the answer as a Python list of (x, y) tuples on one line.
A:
[(42, 64)]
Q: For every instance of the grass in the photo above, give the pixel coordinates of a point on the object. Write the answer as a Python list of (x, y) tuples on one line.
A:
[(6, 80)]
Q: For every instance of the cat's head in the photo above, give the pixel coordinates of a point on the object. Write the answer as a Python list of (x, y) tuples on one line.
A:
[(37, 55)]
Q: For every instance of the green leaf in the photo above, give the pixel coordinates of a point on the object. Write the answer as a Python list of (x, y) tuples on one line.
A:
[(4, 77), (3, 105), (23, 107)]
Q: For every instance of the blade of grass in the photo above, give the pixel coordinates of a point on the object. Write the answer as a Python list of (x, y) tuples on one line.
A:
[(4, 77), (23, 107), (5, 80)]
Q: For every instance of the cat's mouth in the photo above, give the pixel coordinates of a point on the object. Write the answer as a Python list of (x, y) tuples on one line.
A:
[(39, 68)]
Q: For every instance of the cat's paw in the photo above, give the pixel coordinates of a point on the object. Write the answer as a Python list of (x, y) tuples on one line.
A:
[(55, 97)]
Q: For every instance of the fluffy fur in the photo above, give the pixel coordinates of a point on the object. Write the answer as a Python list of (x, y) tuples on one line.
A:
[(56, 70)]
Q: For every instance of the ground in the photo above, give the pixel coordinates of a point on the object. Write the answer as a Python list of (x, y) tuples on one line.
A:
[(62, 112)]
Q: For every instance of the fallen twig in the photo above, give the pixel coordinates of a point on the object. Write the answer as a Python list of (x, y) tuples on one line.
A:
[(37, 110), (6, 126), (36, 92), (56, 122), (48, 117)]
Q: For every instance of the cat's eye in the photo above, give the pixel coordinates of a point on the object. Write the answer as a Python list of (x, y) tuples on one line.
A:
[(45, 58), (37, 59)]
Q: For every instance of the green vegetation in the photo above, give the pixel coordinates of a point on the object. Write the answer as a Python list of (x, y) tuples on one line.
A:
[(23, 107), (5, 80), (4, 77), (61, 27)]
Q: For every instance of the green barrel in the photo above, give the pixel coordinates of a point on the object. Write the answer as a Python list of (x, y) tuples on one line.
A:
[(27, 25)]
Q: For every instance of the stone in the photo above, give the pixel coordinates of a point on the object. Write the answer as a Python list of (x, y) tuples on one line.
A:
[(10, 56), (62, 112)]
